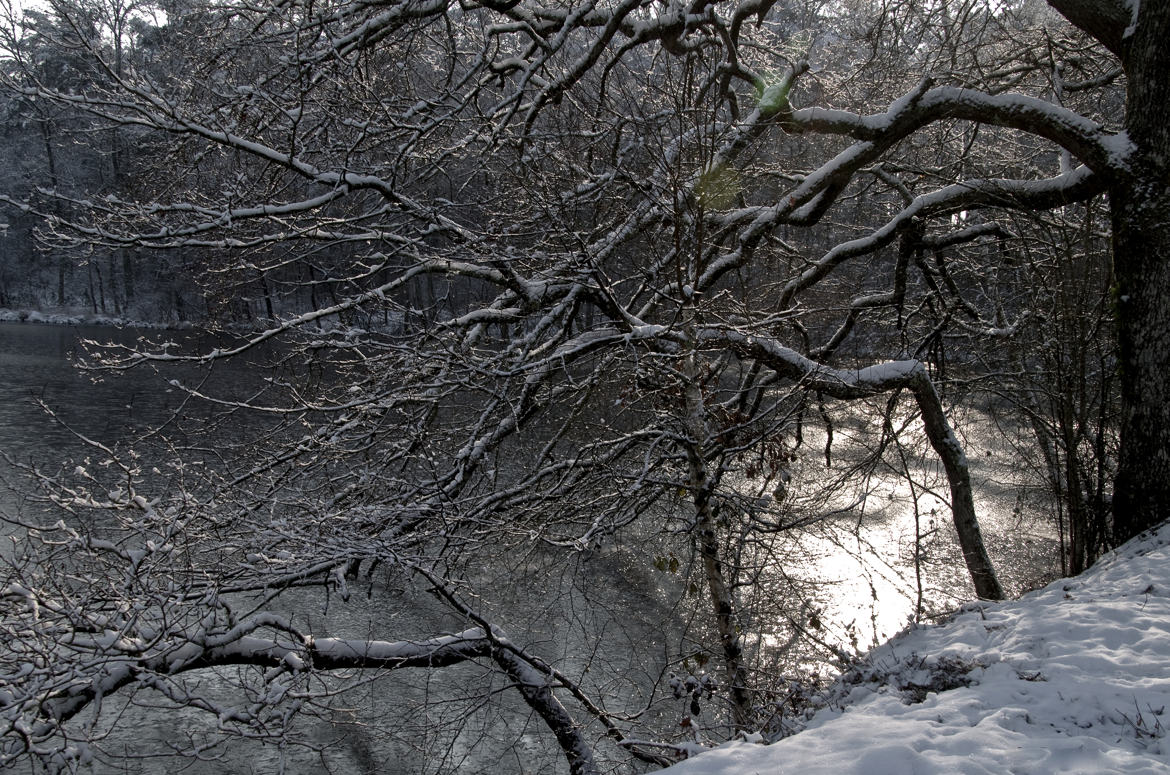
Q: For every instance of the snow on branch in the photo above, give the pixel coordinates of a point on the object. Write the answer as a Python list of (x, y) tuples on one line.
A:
[(41, 697), (838, 383), (1104, 152), (1075, 185), (850, 384)]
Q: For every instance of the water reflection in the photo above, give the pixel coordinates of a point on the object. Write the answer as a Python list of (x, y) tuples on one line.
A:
[(846, 582), (889, 556)]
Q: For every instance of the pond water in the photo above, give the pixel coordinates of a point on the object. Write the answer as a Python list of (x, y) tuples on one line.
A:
[(845, 583), (49, 409), (39, 371), (35, 365)]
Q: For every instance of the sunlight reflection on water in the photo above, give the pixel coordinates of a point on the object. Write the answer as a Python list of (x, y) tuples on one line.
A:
[(860, 566)]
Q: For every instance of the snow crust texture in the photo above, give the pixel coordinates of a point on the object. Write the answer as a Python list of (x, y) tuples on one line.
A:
[(1072, 678)]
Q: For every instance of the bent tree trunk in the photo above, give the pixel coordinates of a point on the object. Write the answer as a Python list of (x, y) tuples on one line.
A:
[(874, 380), (45, 713), (954, 461), (1140, 202), (534, 687)]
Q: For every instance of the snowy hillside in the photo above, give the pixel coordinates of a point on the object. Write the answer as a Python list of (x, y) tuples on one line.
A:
[(1072, 678)]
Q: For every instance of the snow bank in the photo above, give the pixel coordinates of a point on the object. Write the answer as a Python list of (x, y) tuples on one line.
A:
[(87, 319), (1072, 678)]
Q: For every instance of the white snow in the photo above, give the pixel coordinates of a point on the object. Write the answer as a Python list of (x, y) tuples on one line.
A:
[(78, 319), (1121, 149), (1072, 678)]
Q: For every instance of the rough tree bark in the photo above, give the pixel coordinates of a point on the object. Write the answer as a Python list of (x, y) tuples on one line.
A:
[(1140, 201)]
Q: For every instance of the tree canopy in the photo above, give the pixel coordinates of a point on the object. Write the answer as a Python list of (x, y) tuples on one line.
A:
[(542, 278)]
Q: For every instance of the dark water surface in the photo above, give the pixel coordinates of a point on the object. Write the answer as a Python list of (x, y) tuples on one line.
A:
[(36, 365), (39, 370), (49, 407), (612, 607)]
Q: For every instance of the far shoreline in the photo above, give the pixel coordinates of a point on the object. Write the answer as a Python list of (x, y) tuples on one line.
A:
[(99, 320)]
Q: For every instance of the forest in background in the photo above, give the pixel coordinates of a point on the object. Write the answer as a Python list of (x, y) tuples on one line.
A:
[(554, 278)]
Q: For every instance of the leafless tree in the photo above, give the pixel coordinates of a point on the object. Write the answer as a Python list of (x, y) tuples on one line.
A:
[(566, 302)]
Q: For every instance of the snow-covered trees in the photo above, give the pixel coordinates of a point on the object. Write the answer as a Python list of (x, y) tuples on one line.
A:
[(65, 154), (577, 271)]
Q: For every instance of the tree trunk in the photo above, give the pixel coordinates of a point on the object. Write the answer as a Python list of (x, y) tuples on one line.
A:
[(92, 292), (1140, 203), (1078, 515), (534, 687), (880, 378), (264, 289), (706, 526), (101, 284), (1141, 244), (127, 277), (51, 161), (954, 460)]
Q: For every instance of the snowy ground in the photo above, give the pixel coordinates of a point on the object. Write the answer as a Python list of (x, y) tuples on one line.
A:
[(79, 319), (1072, 678)]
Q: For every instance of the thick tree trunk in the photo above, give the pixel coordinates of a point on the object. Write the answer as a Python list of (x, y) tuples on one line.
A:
[(1141, 243), (1140, 204), (1105, 20)]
